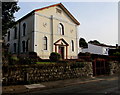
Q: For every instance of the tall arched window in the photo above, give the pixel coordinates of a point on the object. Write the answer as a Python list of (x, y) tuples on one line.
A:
[(61, 29), (23, 46), (24, 29), (15, 33), (27, 45), (45, 43), (8, 37), (72, 45), (15, 47), (8, 47)]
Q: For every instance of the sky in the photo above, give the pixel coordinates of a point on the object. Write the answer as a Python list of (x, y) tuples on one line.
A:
[(98, 20)]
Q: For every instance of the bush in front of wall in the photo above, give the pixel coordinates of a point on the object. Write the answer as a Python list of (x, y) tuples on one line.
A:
[(24, 60), (117, 56), (54, 56), (12, 59), (33, 57)]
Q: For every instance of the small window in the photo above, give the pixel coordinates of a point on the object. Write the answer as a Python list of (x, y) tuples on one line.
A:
[(8, 36), (24, 29), (14, 47), (15, 33), (61, 29), (45, 43), (23, 46), (72, 45)]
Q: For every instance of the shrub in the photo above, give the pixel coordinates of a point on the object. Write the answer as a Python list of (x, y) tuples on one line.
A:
[(116, 54), (84, 56), (13, 60), (33, 57), (24, 60), (54, 56), (32, 54)]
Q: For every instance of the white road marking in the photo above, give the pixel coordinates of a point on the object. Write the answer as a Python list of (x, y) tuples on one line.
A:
[(35, 86)]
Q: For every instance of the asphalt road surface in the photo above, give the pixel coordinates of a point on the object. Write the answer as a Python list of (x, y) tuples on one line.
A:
[(103, 86)]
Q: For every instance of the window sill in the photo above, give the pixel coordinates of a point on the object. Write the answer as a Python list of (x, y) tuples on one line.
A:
[(45, 50)]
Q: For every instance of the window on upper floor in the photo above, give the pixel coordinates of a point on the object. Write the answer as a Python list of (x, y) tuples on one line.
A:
[(15, 47), (61, 29), (24, 29), (8, 37), (15, 33), (72, 45), (45, 43)]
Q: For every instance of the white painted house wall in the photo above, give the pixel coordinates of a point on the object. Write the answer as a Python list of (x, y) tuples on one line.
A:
[(96, 49)]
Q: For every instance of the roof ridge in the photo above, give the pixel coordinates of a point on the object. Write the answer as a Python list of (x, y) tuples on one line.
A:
[(48, 6), (60, 4)]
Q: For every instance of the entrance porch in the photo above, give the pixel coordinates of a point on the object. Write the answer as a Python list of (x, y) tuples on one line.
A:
[(61, 47)]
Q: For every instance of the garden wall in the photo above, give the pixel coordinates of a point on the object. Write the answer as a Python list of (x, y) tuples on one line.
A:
[(114, 67), (24, 74)]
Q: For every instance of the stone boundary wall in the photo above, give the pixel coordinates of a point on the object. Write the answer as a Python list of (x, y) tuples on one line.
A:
[(26, 74), (114, 67)]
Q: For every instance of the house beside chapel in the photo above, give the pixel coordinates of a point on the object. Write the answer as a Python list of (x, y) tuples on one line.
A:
[(45, 30), (100, 49)]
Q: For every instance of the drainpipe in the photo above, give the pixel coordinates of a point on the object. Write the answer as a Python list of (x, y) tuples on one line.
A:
[(52, 33), (76, 40)]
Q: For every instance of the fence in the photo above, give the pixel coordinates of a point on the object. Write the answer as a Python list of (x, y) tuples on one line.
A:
[(24, 74)]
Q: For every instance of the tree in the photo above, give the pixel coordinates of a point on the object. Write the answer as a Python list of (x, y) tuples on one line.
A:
[(83, 43), (8, 19), (94, 42)]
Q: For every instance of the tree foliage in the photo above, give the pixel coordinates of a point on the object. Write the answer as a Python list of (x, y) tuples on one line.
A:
[(94, 42), (83, 43), (8, 19)]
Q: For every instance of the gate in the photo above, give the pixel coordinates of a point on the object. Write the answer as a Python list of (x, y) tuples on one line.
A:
[(100, 67)]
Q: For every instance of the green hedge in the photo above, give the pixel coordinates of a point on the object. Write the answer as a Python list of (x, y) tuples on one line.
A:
[(54, 56)]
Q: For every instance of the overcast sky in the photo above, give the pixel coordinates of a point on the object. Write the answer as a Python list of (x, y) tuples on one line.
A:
[(99, 20)]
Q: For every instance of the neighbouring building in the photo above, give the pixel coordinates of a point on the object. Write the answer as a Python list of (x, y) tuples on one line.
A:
[(97, 49), (45, 30)]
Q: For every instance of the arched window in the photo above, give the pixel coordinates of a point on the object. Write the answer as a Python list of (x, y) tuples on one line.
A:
[(24, 29), (61, 29), (23, 46), (27, 45), (15, 47), (45, 43), (15, 33), (72, 45), (8, 47), (8, 36)]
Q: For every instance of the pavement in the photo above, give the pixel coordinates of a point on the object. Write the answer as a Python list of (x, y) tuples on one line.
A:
[(18, 89)]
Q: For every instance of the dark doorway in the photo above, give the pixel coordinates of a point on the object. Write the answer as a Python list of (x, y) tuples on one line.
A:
[(61, 51)]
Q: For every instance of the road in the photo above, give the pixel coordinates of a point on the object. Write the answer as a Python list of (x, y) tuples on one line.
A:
[(103, 86)]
